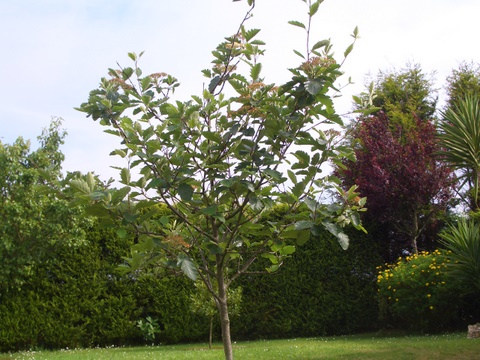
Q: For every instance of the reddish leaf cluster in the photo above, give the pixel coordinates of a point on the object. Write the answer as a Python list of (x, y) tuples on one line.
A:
[(397, 170)]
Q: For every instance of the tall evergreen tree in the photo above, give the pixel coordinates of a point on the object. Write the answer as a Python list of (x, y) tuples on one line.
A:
[(462, 83)]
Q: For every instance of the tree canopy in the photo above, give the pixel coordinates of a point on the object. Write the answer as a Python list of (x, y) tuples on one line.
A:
[(462, 83), (397, 167), (32, 220), (219, 162)]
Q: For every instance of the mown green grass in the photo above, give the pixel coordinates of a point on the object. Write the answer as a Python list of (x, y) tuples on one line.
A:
[(451, 346)]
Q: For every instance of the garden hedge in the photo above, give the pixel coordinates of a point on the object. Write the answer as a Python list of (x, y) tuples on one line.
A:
[(77, 298), (321, 290)]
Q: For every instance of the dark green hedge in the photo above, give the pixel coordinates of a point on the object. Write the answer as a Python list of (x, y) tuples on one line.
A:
[(77, 299), (321, 290)]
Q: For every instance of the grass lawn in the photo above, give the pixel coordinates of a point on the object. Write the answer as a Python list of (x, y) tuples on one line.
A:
[(451, 346)]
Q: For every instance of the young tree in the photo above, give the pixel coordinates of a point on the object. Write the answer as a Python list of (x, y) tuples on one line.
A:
[(219, 162)]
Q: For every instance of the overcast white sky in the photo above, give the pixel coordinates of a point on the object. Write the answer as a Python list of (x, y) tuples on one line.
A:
[(53, 52)]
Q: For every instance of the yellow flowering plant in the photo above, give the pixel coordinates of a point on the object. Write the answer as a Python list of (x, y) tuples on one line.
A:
[(415, 294)]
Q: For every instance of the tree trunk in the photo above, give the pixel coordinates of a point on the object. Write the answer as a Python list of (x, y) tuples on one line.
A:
[(224, 318), (225, 322), (211, 333), (415, 233)]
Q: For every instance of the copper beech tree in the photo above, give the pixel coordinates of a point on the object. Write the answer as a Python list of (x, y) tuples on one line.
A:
[(400, 174), (218, 162)]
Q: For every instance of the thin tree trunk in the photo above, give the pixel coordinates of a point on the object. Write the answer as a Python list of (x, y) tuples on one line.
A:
[(415, 233), (211, 332), (224, 318), (225, 322)]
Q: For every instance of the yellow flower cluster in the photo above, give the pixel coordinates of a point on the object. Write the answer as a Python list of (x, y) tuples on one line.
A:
[(426, 266)]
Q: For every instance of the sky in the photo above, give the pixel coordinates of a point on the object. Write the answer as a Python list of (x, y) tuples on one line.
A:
[(54, 52)]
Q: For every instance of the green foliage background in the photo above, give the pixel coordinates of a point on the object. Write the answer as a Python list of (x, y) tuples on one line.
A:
[(76, 298), (322, 290)]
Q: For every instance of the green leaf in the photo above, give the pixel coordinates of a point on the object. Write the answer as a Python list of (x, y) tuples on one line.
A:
[(81, 185), (273, 259), (303, 225), (343, 240), (299, 54), (185, 191), (255, 71), (132, 56), (157, 183), (297, 23), (98, 195), (303, 159), (291, 176), (146, 81), (336, 230), (287, 250), (250, 34), (348, 50), (212, 136), (121, 233), (213, 84), (368, 111), (119, 152), (210, 210), (302, 237), (127, 73), (315, 86), (320, 44), (357, 100), (119, 195), (273, 268), (213, 248), (311, 203), (188, 267), (355, 217), (332, 228), (362, 202), (355, 32), (125, 176), (298, 189), (256, 204), (314, 8), (274, 174)]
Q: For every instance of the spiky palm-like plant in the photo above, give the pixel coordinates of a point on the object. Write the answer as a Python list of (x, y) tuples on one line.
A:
[(463, 240), (460, 141)]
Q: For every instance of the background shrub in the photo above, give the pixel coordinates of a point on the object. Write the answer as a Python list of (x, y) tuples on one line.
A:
[(167, 300), (415, 293)]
